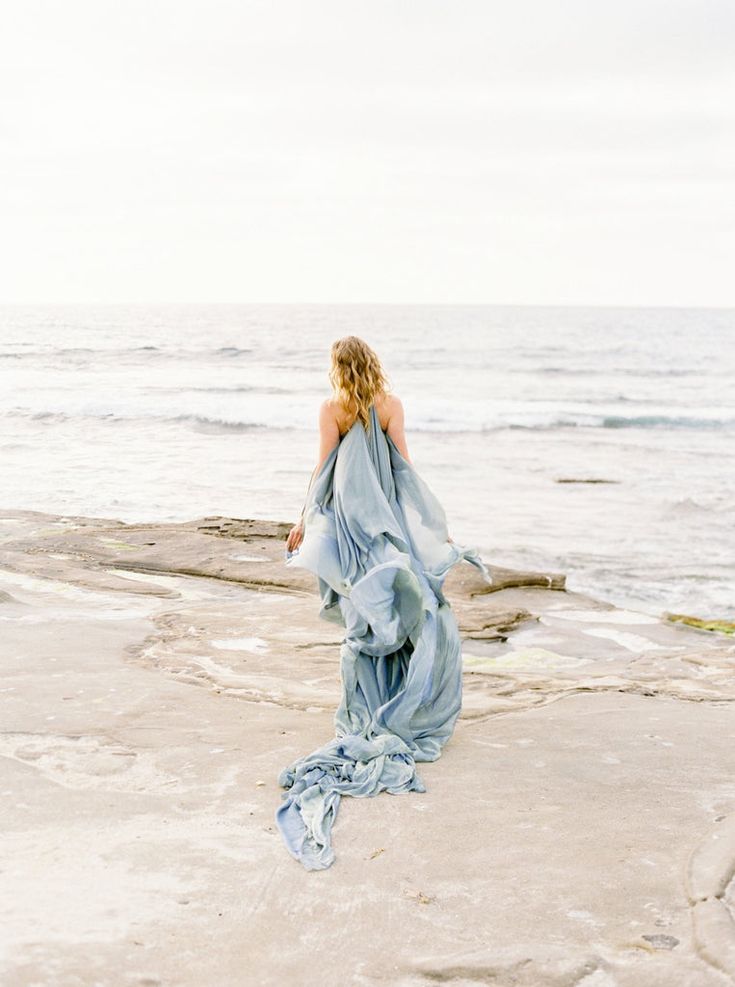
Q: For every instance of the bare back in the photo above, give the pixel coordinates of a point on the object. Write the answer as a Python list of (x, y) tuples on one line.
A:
[(389, 410)]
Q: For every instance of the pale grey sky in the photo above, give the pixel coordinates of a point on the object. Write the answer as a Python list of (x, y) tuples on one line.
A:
[(534, 151)]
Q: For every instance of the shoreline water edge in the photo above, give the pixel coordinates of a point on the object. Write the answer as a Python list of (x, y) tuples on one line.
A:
[(595, 440)]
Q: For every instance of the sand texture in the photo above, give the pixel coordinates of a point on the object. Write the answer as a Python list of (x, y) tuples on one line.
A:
[(579, 828)]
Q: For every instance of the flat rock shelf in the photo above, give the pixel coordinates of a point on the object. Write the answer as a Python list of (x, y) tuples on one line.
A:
[(157, 677)]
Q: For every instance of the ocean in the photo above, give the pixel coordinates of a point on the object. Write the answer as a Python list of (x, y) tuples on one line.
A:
[(169, 412)]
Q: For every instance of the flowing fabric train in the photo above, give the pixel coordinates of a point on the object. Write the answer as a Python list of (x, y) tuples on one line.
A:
[(376, 538)]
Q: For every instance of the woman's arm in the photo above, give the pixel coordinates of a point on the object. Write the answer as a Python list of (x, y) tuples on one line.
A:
[(328, 439), (328, 434), (395, 427)]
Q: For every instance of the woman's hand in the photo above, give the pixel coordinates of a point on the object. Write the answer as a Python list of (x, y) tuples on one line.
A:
[(449, 538), (295, 536)]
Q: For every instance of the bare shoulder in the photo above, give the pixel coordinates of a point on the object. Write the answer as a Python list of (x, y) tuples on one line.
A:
[(390, 409), (328, 407), (331, 415)]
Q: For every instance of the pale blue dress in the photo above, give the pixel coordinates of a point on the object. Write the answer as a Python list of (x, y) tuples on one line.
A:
[(376, 538)]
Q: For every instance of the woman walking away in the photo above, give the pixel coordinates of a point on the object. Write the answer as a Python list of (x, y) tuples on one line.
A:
[(376, 538)]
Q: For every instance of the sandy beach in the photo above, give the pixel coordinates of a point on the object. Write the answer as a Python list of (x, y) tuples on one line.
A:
[(579, 828)]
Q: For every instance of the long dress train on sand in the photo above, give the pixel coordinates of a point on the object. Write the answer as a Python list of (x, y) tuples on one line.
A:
[(376, 538)]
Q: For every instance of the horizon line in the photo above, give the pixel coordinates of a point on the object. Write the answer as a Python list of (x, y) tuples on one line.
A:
[(342, 304)]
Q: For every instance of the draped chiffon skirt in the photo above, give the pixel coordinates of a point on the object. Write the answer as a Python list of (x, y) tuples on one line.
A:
[(376, 538)]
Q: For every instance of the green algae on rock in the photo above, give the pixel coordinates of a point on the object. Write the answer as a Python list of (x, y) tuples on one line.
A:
[(719, 626)]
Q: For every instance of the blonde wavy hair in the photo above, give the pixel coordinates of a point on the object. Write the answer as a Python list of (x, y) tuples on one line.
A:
[(357, 376)]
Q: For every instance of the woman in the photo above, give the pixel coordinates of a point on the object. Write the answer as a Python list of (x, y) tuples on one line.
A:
[(376, 537), (358, 381)]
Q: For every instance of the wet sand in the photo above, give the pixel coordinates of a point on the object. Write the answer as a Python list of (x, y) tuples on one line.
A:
[(579, 828)]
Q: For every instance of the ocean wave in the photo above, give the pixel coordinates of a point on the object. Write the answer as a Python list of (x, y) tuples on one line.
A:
[(118, 352), (50, 351), (203, 421), (665, 421), (233, 350), (514, 420), (612, 371), (218, 424), (615, 422)]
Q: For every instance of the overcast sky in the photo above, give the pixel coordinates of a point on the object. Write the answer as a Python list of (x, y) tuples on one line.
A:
[(524, 151)]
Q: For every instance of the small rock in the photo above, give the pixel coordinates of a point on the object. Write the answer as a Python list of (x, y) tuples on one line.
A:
[(659, 941)]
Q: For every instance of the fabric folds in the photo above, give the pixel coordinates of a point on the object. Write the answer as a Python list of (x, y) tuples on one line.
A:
[(376, 538)]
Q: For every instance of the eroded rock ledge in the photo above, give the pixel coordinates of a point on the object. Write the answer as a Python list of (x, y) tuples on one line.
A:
[(158, 676), (527, 641)]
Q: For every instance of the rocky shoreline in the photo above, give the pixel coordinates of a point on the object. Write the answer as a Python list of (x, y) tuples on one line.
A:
[(578, 829)]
